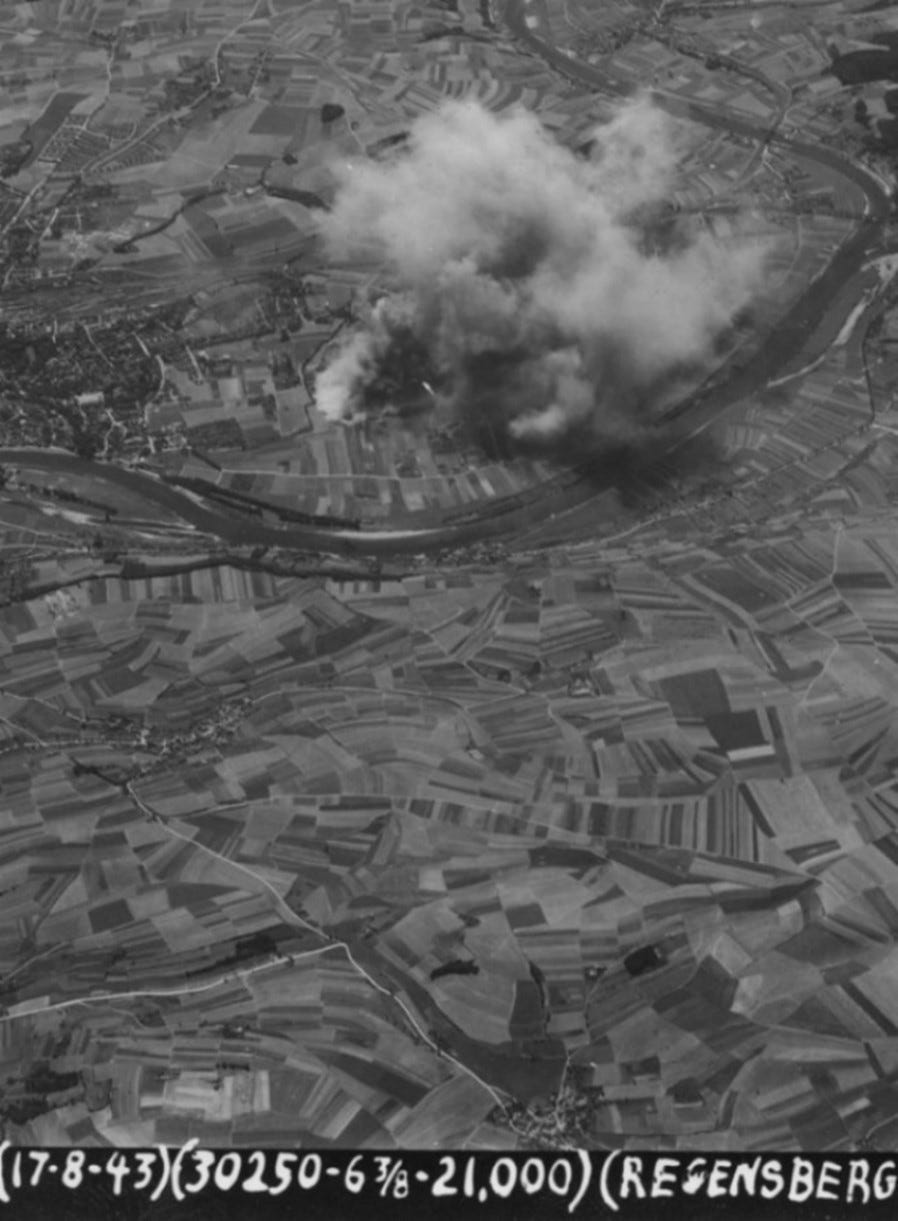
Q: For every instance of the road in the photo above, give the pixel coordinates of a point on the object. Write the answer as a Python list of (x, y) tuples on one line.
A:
[(799, 335), (718, 117), (795, 335)]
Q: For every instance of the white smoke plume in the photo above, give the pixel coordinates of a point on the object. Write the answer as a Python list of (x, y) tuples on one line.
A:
[(525, 287), (337, 385)]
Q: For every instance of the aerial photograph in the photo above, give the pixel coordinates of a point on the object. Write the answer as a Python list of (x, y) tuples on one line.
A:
[(449, 575)]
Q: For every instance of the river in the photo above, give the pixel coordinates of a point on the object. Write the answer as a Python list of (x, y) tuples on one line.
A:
[(792, 337)]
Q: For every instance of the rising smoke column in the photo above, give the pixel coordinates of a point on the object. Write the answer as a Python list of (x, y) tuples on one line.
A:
[(519, 268)]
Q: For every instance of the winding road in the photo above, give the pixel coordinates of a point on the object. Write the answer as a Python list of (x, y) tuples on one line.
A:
[(794, 335)]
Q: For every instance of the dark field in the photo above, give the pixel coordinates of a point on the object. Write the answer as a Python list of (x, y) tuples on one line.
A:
[(55, 113)]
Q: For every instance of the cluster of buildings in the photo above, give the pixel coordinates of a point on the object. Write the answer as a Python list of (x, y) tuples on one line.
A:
[(615, 821), (644, 791)]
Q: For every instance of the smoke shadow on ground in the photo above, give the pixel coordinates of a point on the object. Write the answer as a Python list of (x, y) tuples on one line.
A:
[(659, 471), (650, 461), (639, 429), (662, 468)]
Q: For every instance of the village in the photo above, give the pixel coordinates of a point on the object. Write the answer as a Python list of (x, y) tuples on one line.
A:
[(580, 832)]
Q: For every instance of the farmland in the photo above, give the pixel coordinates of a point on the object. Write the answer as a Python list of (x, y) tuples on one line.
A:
[(283, 804), (361, 786)]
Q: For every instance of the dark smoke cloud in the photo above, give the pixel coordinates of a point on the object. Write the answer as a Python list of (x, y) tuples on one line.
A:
[(522, 272)]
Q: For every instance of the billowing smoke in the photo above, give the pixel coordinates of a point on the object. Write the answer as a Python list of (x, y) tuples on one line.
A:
[(526, 290)]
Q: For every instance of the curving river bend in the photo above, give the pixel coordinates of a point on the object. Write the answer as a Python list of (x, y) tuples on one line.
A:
[(799, 330)]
